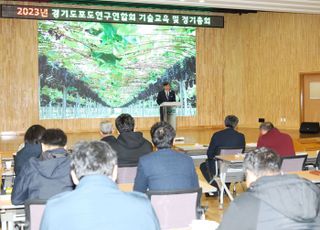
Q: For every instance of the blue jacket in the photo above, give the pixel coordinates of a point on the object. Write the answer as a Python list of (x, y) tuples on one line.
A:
[(98, 204), (165, 170), (23, 156), (225, 138), (43, 178)]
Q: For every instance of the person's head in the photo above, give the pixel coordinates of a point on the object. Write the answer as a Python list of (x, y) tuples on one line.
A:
[(53, 139), (166, 86), (106, 128), (93, 158), (231, 121), (261, 162), (125, 123), (34, 134), (162, 134), (265, 127)]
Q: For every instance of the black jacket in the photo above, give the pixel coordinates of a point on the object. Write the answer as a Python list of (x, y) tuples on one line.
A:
[(130, 146), (111, 140), (275, 202), (23, 156), (43, 177), (162, 97), (225, 138)]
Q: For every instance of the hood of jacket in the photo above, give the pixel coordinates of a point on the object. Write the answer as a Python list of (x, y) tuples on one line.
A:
[(131, 140), (294, 197), (56, 166)]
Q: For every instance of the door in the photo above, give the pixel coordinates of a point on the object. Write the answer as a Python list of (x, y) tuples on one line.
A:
[(310, 97)]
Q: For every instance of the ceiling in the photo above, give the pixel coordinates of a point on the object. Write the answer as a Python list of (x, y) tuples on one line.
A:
[(294, 6)]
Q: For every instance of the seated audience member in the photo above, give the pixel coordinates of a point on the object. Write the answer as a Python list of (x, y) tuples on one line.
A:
[(43, 177), (271, 137), (273, 201), (130, 145), (97, 203), (165, 169), (106, 132), (228, 137), (32, 147)]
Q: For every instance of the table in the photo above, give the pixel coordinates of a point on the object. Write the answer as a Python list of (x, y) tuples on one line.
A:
[(10, 213), (308, 175), (231, 171), (198, 152), (206, 187)]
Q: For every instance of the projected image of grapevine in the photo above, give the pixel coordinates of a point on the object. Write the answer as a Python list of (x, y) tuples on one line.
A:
[(93, 70)]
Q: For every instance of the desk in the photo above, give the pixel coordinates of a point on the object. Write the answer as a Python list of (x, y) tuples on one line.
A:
[(231, 171), (308, 175), (206, 187), (197, 152), (10, 213)]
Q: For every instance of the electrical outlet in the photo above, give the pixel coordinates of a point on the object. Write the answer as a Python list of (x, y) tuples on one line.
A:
[(261, 120)]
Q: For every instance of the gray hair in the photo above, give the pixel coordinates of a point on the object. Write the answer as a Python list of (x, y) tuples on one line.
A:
[(262, 161), (267, 126), (106, 127), (95, 157)]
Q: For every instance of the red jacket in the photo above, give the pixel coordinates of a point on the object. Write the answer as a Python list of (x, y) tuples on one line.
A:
[(279, 142)]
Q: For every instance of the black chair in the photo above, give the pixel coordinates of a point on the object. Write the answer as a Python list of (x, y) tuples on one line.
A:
[(34, 210), (293, 163), (176, 209)]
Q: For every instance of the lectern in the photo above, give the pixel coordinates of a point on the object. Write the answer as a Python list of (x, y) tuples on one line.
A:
[(169, 112)]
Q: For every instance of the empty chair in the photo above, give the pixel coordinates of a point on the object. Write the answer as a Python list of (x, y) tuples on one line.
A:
[(126, 173), (34, 211), (293, 163), (176, 209)]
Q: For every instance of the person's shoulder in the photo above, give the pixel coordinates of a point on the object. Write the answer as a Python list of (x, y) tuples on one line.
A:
[(59, 199)]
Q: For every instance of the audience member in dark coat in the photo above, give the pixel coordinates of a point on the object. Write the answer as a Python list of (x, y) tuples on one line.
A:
[(229, 137), (165, 95), (271, 137), (32, 147), (130, 145), (273, 201), (106, 133), (165, 169), (48, 175)]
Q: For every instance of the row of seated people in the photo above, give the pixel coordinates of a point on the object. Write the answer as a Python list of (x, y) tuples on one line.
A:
[(270, 137), (93, 165)]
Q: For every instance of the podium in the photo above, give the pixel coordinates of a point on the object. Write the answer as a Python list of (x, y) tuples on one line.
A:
[(169, 111)]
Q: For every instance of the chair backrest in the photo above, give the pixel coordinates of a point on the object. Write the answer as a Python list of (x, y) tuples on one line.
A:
[(126, 174), (293, 163), (230, 150), (176, 209), (34, 211)]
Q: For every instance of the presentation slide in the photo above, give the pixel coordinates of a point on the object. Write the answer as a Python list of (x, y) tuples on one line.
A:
[(100, 70)]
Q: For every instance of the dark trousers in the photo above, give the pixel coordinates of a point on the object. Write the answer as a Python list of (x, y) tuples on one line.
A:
[(208, 169)]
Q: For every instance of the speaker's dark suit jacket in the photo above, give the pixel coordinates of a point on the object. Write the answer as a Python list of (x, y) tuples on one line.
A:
[(163, 98)]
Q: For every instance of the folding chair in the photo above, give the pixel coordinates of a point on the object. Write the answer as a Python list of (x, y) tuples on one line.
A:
[(34, 211)]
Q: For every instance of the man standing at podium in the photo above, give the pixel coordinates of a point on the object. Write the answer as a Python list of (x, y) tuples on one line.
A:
[(165, 95)]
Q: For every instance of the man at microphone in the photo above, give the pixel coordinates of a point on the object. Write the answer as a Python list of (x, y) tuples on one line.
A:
[(165, 95)]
